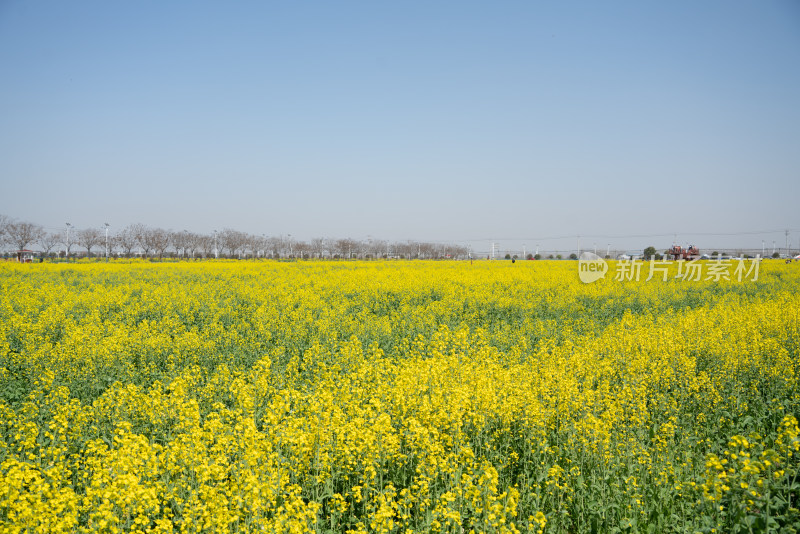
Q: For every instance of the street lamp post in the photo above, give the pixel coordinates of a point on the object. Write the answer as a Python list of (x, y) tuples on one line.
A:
[(66, 252), (184, 239)]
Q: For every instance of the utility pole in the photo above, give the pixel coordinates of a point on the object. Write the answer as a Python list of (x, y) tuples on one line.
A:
[(216, 252), (608, 250)]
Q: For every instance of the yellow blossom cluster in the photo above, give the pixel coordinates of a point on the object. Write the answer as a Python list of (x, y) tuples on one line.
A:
[(395, 397)]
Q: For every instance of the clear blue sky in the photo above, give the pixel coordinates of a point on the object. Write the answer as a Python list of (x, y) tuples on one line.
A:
[(426, 120)]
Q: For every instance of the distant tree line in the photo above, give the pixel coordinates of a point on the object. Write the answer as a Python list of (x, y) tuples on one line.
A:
[(140, 240)]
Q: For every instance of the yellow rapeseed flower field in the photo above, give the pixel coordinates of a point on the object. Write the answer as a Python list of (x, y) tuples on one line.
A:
[(395, 397)]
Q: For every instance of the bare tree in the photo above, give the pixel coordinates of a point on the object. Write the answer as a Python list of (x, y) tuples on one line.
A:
[(378, 248), (126, 240), (204, 244), (339, 248), (89, 238), (363, 249), (426, 250), (405, 250), (286, 245), (179, 241), (193, 243), (255, 244), (274, 246), (259, 245), (457, 251), (159, 240), (22, 234), (5, 221), (141, 234), (301, 249), (48, 241), (249, 245), (347, 247), (232, 240), (318, 246), (198, 246)]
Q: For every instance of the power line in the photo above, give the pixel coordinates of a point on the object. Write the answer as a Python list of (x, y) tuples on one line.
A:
[(631, 236)]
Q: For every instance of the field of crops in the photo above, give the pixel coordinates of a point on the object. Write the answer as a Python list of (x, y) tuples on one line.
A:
[(395, 397)]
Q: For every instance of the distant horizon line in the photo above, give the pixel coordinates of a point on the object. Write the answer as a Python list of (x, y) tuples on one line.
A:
[(494, 244)]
